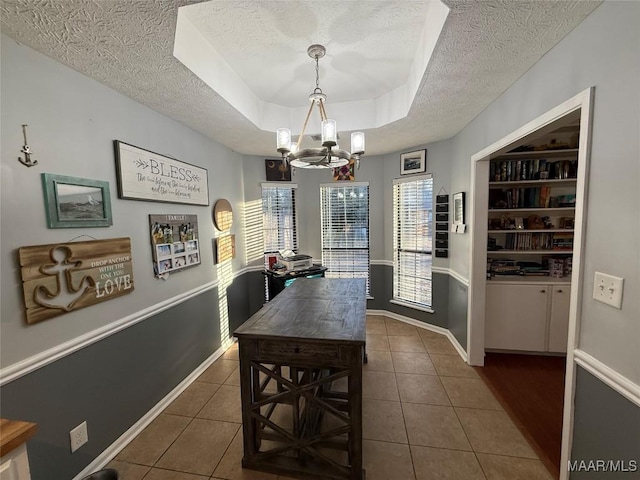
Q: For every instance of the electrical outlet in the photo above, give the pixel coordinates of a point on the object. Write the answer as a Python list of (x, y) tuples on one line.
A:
[(79, 436), (608, 289)]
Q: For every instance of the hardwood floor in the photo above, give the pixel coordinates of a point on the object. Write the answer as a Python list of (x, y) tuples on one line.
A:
[(531, 389)]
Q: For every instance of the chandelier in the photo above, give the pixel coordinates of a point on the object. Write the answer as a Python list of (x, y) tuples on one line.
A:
[(329, 155)]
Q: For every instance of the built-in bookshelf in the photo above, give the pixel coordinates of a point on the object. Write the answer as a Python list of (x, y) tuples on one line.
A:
[(531, 213), (531, 210)]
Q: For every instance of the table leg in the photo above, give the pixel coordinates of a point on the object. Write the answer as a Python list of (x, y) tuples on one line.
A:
[(355, 413), (249, 387)]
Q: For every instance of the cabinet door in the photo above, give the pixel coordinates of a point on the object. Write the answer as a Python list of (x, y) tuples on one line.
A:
[(559, 318), (15, 464), (516, 317)]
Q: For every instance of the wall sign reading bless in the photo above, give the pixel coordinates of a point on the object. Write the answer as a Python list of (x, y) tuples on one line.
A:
[(145, 175), (59, 278)]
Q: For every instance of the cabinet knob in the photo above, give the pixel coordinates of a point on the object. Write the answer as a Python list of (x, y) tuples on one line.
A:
[(559, 291), (543, 291)]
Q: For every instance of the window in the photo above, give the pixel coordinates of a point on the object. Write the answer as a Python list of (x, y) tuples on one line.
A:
[(344, 215), (279, 218), (412, 240)]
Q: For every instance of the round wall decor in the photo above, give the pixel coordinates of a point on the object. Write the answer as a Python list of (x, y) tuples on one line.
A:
[(222, 215)]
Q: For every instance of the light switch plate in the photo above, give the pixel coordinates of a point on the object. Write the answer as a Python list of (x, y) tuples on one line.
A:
[(79, 436), (608, 289)]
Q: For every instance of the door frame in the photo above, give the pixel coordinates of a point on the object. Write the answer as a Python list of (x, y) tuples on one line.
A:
[(479, 196)]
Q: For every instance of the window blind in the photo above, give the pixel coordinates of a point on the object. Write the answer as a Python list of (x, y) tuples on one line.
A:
[(279, 226), (344, 213), (412, 239)]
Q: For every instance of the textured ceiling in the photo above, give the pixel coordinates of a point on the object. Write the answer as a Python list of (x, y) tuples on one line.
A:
[(127, 45)]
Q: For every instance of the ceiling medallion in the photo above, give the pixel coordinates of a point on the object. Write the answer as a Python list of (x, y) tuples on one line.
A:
[(329, 155)]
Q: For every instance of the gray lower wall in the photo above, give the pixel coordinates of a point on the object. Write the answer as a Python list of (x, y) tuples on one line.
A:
[(606, 427), (457, 314), (449, 301), (245, 296), (111, 384)]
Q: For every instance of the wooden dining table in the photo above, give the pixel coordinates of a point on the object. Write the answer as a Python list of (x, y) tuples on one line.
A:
[(301, 361)]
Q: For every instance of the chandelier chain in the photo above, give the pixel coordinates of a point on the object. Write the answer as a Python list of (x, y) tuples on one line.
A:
[(326, 156), (317, 75)]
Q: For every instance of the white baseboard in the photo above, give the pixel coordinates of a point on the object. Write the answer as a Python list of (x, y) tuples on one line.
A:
[(127, 437), (30, 364)]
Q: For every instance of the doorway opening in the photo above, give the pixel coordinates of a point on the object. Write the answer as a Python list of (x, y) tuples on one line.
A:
[(528, 197)]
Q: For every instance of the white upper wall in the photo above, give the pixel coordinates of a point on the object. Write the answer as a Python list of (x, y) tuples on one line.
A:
[(379, 171), (603, 51), (73, 121)]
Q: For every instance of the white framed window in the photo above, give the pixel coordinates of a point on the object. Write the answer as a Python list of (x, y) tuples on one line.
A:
[(413, 240), (344, 214), (279, 225)]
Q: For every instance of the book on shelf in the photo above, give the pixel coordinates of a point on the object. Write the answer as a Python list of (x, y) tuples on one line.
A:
[(531, 169), (558, 266), (533, 269), (562, 241), (542, 165), (528, 241), (536, 241), (528, 197), (502, 267), (511, 267)]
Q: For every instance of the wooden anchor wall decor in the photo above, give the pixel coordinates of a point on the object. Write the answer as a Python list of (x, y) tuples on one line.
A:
[(59, 278)]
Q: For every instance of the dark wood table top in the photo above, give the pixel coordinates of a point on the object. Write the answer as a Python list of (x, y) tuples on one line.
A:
[(332, 309)]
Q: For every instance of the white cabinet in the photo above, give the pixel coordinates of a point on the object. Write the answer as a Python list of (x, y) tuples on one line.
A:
[(15, 464), (527, 317), (559, 318), (516, 317)]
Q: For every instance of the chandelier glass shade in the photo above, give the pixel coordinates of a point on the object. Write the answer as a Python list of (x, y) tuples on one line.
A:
[(329, 154)]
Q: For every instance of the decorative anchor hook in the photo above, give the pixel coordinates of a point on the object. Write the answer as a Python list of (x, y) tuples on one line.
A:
[(26, 150)]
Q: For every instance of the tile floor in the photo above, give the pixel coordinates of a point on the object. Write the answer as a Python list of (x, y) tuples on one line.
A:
[(426, 415)]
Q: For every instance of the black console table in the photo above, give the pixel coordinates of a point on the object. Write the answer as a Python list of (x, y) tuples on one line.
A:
[(277, 280)]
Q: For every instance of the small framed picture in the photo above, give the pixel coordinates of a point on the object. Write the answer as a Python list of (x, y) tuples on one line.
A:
[(165, 265), (277, 171), (163, 250), (458, 208), (413, 162), (76, 202)]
